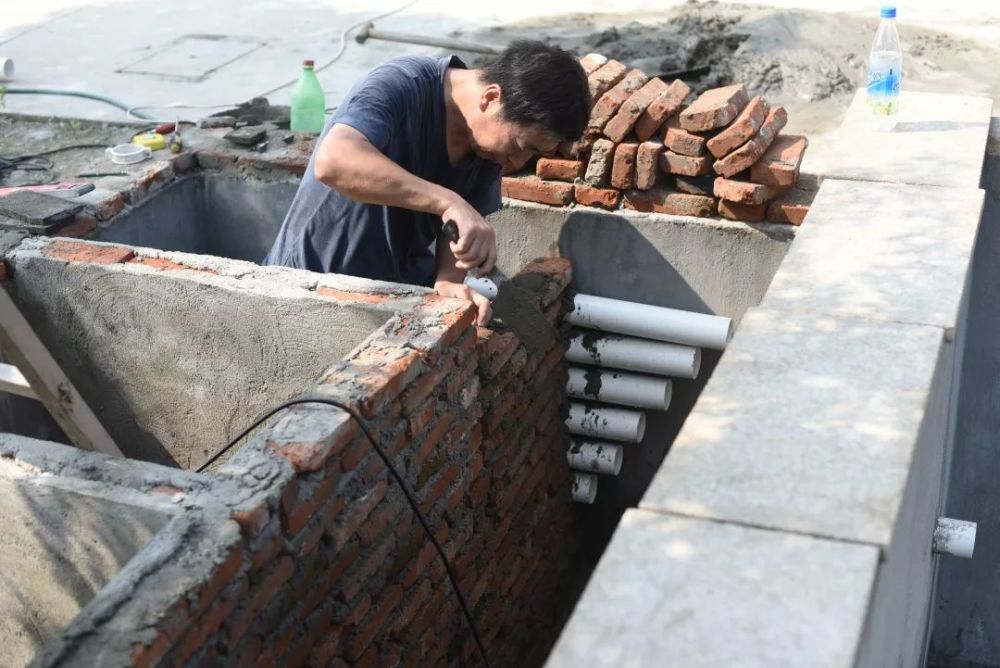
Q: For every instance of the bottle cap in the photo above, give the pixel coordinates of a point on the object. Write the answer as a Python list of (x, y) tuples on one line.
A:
[(888, 11), (311, 63)]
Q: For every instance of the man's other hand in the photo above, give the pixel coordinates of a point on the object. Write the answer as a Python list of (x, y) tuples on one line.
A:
[(463, 291)]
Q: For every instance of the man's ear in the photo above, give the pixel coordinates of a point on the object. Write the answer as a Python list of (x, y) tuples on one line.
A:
[(492, 95)]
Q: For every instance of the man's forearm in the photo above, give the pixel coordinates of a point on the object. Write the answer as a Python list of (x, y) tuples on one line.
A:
[(369, 176)]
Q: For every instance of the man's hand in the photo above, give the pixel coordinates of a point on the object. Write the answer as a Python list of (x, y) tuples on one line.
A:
[(463, 291), (477, 245)]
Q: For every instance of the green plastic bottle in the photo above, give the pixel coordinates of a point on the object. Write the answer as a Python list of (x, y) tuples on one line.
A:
[(308, 105)]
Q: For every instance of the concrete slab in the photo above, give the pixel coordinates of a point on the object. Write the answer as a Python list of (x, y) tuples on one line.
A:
[(57, 550), (881, 251), (682, 592), (808, 424), (939, 140)]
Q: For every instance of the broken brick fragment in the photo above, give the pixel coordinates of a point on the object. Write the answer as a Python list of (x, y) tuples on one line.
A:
[(715, 108), (534, 189)]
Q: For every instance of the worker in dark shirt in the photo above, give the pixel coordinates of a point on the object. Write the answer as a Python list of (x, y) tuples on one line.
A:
[(421, 141)]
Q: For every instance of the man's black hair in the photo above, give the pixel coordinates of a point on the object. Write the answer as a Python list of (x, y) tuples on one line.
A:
[(542, 86)]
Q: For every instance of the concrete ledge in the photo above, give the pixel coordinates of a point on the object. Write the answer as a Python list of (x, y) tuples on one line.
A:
[(883, 252), (809, 424), (939, 141), (666, 593)]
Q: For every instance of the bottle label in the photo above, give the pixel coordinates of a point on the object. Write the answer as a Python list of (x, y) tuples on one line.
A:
[(884, 75)]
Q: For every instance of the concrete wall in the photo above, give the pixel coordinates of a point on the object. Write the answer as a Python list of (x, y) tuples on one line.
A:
[(708, 266), (58, 549), (966, 622), (209, 214), (176, 363)]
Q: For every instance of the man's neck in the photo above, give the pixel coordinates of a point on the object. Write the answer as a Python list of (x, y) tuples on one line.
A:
[(461, 95)]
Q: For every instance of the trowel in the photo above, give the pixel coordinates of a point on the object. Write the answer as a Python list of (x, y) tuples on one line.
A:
[(514, 306)]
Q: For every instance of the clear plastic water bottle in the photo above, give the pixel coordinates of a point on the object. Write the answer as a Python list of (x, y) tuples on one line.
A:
[(885, 71), (308, 102)]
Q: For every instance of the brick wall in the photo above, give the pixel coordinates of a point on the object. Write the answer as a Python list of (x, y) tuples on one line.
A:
[(331, 567)]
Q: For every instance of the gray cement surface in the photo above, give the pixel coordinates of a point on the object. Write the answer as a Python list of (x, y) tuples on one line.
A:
[(966, 621), (665, 579), (57, 551), (881, 251)]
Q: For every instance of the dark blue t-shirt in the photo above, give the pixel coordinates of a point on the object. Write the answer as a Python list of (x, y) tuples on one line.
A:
[(399, 107)]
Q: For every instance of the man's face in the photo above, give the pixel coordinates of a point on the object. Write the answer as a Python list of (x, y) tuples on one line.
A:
[(509, 145)]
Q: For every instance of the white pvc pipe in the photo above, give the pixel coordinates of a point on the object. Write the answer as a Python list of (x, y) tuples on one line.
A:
[(651, 322), (613, 387), (623, 352), (584, 487), (955, 537), (484, 286), (6, 68), (617, 424), (595, 457)]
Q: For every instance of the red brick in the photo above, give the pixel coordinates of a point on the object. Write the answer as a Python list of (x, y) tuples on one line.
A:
[(661, 200), (742, 129), (628, 114), (110, 206), (354, 296), (432, 439), (82, 225), (779, 166), (309, 451), (749, 213), (224, 574), (358, 512), (82, 251), (666, 104), (379, 522), (437, 490), (647, 164), (592, 61), (696, 185), (743, 192), (685, 165), (534, 189), (558, 170), (601, 160), (715, 108), (151, 653), (606, 198), (604, 78), (4, 271), (745, 156), (608, 105), (330, 578), (373, 624), (681, 141), (162, 264), (623, 170), (581, 147), (791, 208)]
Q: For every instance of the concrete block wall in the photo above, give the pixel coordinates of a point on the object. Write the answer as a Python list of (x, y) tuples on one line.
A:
[(300, 549), (794, 514)]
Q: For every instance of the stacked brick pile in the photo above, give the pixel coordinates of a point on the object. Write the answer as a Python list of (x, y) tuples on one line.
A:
[(645, 150)]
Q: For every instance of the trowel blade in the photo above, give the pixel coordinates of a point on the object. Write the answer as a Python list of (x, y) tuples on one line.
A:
[(518, 310)]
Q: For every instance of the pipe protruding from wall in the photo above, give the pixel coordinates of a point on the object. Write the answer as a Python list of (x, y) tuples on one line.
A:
[(616, 424), (651, 322), (613, 387), (595, 457), (6, 68), (955, 537), (584, 487), (625, 352)]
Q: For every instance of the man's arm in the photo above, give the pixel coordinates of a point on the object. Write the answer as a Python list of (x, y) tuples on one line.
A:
[(350, 164)]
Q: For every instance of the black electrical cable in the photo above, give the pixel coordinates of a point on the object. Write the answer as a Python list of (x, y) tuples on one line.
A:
[(399, 480), (38, 162)]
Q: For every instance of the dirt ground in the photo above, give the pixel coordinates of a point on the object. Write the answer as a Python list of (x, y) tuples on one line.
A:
[(810, 62)]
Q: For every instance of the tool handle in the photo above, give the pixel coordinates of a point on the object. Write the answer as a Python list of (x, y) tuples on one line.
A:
[(450, 231)]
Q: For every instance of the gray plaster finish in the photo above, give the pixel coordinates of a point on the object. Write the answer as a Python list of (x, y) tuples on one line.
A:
[(896, 631), (809, 424), (57, 551), (209, 214), (881, 251), (938, 141), (687, 592), (966, 618), (175, 363), (649, 258)]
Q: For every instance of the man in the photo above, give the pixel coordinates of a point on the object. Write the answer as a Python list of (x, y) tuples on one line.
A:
[(421, 141)]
